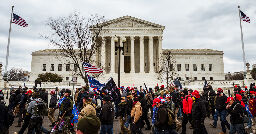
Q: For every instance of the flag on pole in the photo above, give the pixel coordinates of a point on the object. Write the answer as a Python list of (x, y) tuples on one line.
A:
[(244, 17), (94, 84), (91, 69), (18, 20), (75, 112)]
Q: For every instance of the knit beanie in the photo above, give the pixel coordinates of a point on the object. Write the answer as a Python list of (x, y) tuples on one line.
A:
[(89, 124)]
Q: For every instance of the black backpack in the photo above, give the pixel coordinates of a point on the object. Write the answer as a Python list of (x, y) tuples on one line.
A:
[(40, 108)]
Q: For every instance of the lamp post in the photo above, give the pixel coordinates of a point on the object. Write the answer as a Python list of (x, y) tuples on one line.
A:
[(119, 48)]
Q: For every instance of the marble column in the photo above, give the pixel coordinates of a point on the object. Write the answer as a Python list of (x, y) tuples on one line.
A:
[(122, 56), (112, 69), (150, 54), (132, 55), (142, 54), (160, 38), (103, 53)]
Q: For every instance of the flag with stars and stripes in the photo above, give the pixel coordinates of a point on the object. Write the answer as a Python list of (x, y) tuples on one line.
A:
[(91, 69), (244, 17), (19, 21)]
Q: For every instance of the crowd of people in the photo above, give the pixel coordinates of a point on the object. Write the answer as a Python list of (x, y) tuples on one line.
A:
[(161, 110)]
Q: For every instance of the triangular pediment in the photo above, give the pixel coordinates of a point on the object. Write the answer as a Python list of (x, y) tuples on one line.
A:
[(130, 22)]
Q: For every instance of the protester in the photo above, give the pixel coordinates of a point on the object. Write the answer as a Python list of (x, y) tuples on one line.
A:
[(89, 124), (107, 116), (220, 105), (198, 114), (52, 107)]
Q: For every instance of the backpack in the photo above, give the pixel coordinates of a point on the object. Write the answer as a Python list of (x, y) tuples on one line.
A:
[(171, 117), (40, 108)]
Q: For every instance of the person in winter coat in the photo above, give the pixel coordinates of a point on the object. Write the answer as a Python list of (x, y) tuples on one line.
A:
[(4, 118), (220, 105), (145, 109), (122, 113), (252, 109), (52, 107), (136, 114), (198, 114), (162, 125), (88, 107), (236, 111), (187, 108), (107, 116)]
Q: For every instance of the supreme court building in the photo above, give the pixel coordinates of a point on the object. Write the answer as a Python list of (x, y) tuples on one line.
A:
[(140, 60)]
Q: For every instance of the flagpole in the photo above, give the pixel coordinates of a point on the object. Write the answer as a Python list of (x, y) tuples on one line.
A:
[(242, 40), (8, 45)]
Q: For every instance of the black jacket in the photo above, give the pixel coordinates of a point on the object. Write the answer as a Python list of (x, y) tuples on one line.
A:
[(198, 110), (162, 119), (221, 102), (122, 109), (236, 111), (107, 114), (53, 101)]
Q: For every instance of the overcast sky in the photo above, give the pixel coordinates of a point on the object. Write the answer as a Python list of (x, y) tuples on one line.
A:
[(212, 24)]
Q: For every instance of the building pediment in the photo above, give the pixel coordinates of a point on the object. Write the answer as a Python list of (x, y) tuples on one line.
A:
[(130, 22)]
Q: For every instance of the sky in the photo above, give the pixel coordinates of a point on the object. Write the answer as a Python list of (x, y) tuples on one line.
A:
[(189, 24)]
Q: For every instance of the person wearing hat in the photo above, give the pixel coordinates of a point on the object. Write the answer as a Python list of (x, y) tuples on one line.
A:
[(107, 116), (123, 114), (66, 108), (198, 114), (88, 107), (52, 107), (220, 105), (187, 108), (236, 111), (89, 124)]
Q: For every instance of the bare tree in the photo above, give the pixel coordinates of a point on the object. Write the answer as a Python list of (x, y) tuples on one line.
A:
[(167, 70), (17, 74), (76, 37)]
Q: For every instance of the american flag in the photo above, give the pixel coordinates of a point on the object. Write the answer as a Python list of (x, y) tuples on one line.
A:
[(244, 17), (18, 20), (91, 69)]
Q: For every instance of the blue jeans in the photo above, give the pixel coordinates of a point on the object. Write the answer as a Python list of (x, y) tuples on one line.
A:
[(224, 122), (106, 129), (239, 128)]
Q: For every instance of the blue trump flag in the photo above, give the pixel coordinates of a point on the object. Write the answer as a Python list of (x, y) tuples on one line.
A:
[(95, 84), (75, 112)]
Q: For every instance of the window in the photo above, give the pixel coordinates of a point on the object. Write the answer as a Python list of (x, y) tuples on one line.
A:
[(60, 67), (75, 67), (211, 78), (67, 78), (194, 67), (187, 78), (52, 67), (203, 78), (210, 67), (44, 67), (67, 67), (187, 67), (195, 78), (179, 78), (179, 67), (171, 67), (202, 67)]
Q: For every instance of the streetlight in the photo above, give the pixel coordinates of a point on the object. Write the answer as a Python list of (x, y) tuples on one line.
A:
[(119, 48)]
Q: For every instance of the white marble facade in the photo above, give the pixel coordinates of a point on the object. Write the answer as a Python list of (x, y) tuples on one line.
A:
[(140, 60)]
